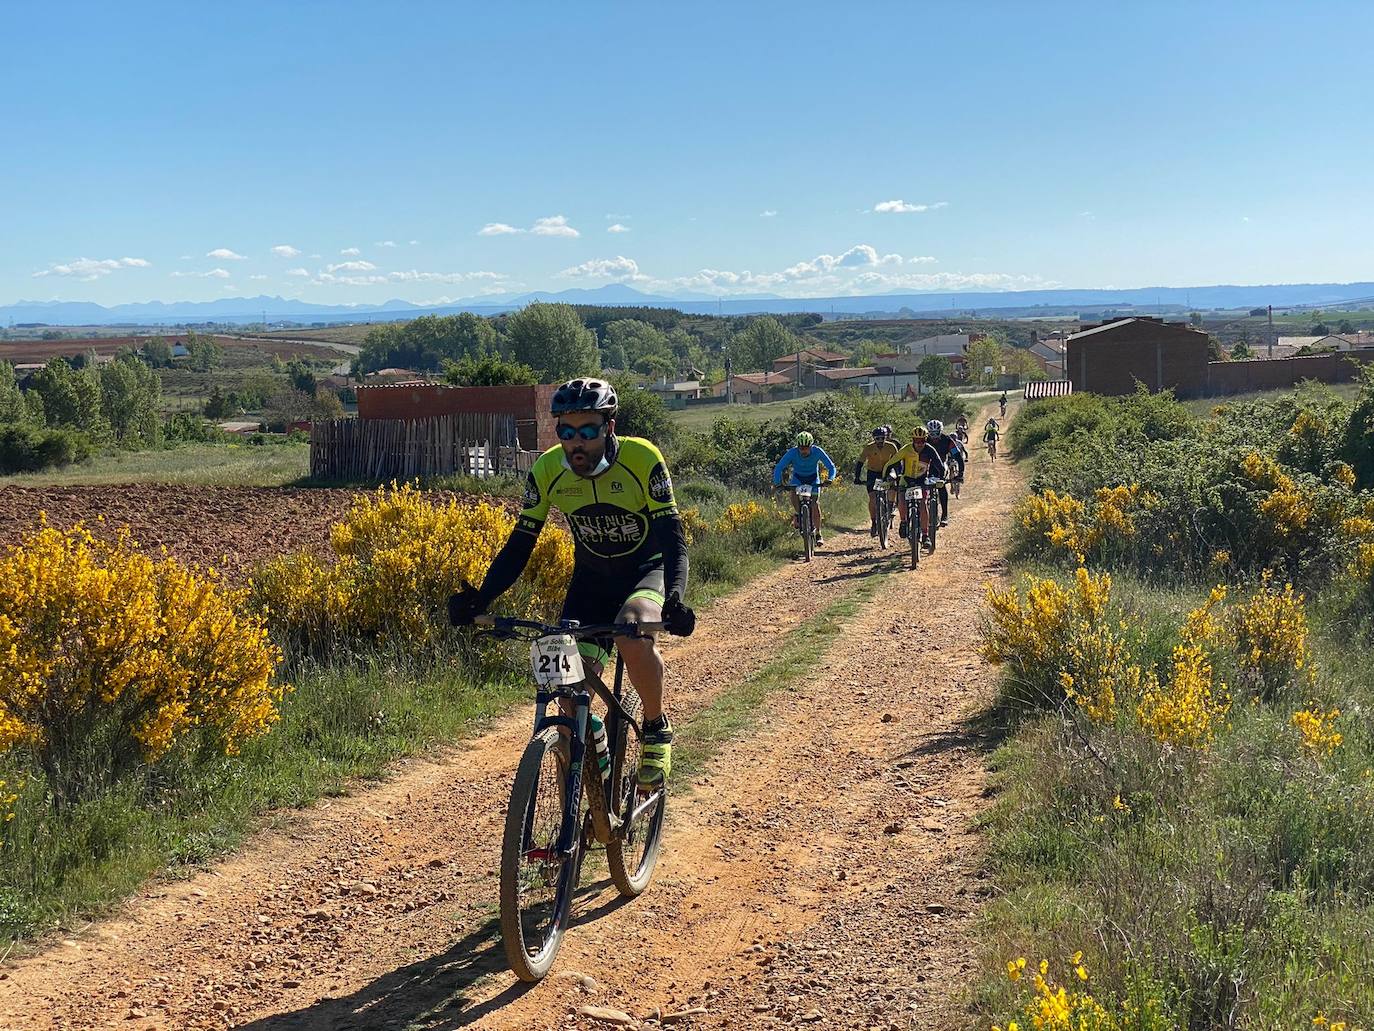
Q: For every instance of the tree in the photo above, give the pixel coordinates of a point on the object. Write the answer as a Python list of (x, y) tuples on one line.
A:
[(70, 398), (551, 339), (257, 387), (488, 371), (157, 353), (934, 370), (1345, 326), (760, 343), (302, 376), (130, 393), (217, 405), (12, 406), (1241, 350), (1195, 318), (643, 345), (1215, 352), (203, 351), (642, 413), (425, 343), (1020, 361), (984, 353), (1320, 329)]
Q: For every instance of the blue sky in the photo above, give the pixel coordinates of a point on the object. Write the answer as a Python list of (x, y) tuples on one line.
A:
[(355, 152)]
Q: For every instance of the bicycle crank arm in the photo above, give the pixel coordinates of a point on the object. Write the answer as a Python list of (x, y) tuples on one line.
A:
[(645, 806)]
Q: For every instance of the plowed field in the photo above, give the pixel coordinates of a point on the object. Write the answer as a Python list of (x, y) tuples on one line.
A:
[(229, 528)]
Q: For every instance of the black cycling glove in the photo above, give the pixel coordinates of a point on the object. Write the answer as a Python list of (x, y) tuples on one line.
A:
[(678, 619), (465, 606)]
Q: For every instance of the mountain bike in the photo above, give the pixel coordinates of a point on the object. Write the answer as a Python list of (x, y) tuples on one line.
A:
[(547, 831), (806, 493), (992, 448), (922, 495), (882, 506)]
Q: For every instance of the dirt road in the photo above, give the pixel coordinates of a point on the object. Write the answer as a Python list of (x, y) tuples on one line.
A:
[(822, 872)]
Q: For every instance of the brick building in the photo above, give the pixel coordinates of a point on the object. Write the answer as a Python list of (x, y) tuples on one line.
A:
[(529, 404), (1113, 357)]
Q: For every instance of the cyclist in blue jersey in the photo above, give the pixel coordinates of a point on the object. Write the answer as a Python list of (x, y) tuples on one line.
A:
[(806, 461)]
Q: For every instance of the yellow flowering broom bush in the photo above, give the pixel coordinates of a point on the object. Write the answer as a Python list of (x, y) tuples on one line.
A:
[(398, 555), (109, 657), (1058, 524), (1050, 1006), (1270, 633)]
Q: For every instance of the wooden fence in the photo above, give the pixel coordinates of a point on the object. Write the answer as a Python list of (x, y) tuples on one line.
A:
[(477, 444)]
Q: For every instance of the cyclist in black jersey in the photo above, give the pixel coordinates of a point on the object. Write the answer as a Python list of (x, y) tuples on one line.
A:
[(629, 548)]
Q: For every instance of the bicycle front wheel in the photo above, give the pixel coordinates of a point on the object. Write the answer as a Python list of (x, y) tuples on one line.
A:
[(934, 518), (808, 534), (537, 883), (633, 851), (883, 519), (913, 510)]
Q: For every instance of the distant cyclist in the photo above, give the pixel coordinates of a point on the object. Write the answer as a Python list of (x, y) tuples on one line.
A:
[(1003, 403), (961, 429), (805, 460), (874, 460), (992, 433), (951, 456), (915, 463)]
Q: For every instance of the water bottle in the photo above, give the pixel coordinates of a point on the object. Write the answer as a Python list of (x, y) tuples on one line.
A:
[(603, 751)]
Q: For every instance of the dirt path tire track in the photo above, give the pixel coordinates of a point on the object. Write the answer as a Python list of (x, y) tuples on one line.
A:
[(382, 899)]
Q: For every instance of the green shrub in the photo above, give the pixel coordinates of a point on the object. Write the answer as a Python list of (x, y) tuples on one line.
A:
[(26, 448)]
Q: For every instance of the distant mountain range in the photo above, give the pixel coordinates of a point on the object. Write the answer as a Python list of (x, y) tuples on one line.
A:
[(244, 310)]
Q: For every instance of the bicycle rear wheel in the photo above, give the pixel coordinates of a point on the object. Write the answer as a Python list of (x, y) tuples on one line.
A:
[(884, 522), (633, 852), (913, 526), (537, 884), (934, 518), (808, 535)]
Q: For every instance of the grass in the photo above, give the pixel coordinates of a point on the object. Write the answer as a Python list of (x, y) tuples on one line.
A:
[(239, 465), (1221, 882), (341, 723), (703, 736)]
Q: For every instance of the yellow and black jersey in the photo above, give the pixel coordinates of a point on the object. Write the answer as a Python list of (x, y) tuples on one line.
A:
[(612, 515), (877, 456)]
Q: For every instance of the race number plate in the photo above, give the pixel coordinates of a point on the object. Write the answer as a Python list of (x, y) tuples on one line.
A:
[(556, 661), (805, 490), (879, 486), (915, 493)]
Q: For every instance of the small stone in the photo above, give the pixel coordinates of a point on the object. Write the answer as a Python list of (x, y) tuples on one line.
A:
[(366, 889), (811, 1016), (677, 1016), (583, 981), (290, 983), (892, 828), (889, 718), (219, 1005), (606, 1015), (935, 907)]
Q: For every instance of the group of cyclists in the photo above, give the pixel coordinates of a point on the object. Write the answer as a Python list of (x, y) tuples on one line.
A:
[(932, 458), (629, 545)]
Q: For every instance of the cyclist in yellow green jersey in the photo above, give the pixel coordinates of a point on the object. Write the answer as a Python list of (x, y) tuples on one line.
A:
[(874, 459), (629, 549)]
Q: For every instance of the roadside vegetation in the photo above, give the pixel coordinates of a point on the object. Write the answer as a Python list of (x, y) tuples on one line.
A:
[(1182, 833)]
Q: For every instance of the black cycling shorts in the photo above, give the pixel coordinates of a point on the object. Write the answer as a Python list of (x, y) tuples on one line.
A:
[(594, 598), (873, 478)]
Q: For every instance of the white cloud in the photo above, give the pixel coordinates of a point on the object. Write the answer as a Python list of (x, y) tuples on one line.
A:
[(351, 266), (285, 250), (214, 273), (385, 243), (414, 243), (924, 259), (553, 225), (416, 276), (617, 218), (350, 252), (298, 272), (257, 275), (619, 267), (901, 207), (859, 256), (617, 228), (224, 254), (770, 213), (87, 269)]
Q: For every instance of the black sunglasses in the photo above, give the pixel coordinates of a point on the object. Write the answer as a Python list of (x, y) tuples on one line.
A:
[(566, 432)]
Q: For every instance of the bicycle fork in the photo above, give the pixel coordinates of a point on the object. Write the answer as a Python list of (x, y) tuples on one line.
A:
[(603, 823)]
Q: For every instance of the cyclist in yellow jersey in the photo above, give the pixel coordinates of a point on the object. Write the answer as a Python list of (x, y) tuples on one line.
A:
[(874, 459), (629, 549), (914, 463)]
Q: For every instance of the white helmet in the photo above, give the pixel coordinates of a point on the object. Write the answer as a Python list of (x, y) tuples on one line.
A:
[(935, 427)]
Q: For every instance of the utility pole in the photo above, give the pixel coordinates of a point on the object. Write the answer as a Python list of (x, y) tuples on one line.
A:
[(1271, 331), (796, 387)]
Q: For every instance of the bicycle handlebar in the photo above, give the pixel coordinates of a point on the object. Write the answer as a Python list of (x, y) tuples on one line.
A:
[(510, 626)]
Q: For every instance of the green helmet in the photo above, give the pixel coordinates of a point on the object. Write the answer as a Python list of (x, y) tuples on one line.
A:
[(804, 439)]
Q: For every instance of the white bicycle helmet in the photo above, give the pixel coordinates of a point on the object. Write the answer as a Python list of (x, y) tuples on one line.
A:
[(935, 427)]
